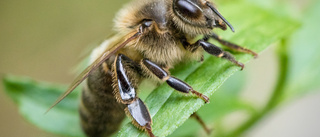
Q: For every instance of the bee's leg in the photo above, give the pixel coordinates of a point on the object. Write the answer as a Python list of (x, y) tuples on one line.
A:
[(218, 52), (211, 49), (204, 126), (125, 91), (175, 83), (232, 45)]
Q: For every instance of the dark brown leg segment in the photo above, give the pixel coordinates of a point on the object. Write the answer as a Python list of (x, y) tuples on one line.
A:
[(175, 83), (126, 94), (232, 45)]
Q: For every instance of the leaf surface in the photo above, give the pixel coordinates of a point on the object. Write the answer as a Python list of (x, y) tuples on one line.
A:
[(34, 98)]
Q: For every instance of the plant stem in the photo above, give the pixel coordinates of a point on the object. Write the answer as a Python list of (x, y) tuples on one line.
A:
[(276, 94)]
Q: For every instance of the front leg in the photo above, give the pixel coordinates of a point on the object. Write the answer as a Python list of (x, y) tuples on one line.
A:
[(211, 49), (232, 45), (125, 92), (218, 52)]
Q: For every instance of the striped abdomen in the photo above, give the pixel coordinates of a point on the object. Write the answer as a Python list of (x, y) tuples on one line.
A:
[(100, 113)]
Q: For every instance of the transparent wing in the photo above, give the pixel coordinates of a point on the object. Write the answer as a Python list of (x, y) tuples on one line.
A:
[(84, 74)]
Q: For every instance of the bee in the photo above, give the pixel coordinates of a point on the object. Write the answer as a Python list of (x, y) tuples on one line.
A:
[(152, 36)]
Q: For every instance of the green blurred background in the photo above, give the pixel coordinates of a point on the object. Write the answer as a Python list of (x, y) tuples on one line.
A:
[(45, 40)]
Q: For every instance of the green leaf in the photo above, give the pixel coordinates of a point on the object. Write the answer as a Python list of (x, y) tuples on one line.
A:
[(225, 101), (256, 29), (304, 74), (34, 98)]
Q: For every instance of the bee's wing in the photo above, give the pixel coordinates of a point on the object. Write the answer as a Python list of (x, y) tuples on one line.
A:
[(105, 55)]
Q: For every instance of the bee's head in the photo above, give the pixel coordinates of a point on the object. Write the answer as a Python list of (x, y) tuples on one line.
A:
[(199, 16)]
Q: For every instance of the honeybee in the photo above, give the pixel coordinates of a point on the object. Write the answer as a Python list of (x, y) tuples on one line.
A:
[(152, 37)]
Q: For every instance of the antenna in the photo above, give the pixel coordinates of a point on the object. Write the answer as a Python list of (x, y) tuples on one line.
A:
[(216, 11)]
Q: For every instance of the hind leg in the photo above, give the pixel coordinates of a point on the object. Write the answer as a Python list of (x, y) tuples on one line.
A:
[(125, 92)]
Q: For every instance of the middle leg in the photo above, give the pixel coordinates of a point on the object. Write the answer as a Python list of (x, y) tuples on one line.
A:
[(173, 82)]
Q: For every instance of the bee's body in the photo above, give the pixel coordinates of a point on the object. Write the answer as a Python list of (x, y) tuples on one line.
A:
[(106, 114), (155, 36)]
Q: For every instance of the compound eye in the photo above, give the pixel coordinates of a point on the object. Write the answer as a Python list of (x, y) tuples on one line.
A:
[(188, 9)]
